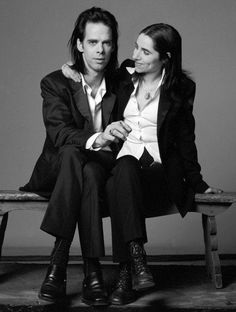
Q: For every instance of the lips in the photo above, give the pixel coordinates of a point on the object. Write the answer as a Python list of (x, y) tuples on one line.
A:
[(138, 64), (100, 60)]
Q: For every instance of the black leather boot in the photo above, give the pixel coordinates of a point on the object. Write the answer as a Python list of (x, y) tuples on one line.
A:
[(93, 291), (143, 278), (54, 284), (123, 292)]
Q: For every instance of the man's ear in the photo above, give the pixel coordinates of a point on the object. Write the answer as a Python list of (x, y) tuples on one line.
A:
[(80, 46)]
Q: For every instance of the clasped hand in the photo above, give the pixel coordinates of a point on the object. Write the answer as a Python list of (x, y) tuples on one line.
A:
[(114, 132)]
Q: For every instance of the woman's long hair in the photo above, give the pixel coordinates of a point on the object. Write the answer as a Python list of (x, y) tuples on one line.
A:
[(167, 41)]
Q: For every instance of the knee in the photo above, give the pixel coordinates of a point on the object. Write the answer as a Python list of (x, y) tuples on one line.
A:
[(127, 164), (71, 153), (94, 173)]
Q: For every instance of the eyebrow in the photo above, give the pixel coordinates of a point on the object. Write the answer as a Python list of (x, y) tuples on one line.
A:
[(144, 49), (96, 40)]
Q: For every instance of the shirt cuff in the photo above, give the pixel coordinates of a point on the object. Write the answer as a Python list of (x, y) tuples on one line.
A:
[(91, 140)]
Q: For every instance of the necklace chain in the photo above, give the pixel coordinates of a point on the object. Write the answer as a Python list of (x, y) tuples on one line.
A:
[(148, 91)]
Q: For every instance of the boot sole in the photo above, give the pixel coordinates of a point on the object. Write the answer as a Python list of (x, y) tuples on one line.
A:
[(94, 304), (123, 303), (144, 286), (50, 299)]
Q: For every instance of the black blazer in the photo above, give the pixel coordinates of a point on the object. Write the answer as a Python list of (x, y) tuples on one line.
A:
[(176, 138), (67, 120)]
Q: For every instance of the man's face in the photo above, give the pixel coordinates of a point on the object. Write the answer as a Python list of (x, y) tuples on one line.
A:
[(96, 47)]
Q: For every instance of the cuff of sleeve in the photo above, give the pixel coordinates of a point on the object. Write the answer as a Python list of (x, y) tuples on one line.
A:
[(91, 140)]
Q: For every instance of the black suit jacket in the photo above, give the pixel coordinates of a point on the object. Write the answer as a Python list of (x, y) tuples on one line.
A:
[(176, 138), (68, 121)]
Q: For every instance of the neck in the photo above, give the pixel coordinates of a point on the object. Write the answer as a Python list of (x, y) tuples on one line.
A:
[(94, 79), (151, 78)]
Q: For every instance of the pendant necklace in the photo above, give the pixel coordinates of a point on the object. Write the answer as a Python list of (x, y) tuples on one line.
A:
[(148, 93)]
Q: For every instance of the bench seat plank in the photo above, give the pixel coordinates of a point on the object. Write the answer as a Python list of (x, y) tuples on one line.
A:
[(10, 195), (222, 198)]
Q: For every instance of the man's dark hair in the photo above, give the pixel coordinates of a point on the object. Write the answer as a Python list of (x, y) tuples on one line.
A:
[(93, 15)]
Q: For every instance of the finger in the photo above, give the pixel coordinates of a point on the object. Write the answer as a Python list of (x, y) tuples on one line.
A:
[(64, 69), (125, 126), (76, 77), (122, 129), (109, 136), (119, 134)]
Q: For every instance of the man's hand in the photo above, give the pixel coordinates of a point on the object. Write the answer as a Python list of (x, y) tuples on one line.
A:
[(70, 73), (213, 190), (114, 132)]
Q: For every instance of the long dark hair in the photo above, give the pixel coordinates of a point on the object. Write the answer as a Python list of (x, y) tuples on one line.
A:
[(93, 15), (167, 41)]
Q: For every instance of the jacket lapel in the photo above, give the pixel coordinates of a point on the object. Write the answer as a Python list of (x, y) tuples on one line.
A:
[(108, 103), (164, 106), (81, 100), (83, 105), (125, 91)]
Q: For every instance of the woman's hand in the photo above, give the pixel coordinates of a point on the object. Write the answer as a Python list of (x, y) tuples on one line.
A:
[(70, 73), (114, 132), (213, 190)]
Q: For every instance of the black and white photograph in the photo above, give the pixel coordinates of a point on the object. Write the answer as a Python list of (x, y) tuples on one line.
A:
[(117, 171)]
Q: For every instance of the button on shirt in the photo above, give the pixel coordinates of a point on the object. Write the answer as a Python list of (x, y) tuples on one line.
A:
[(95, 105), (143, 124)]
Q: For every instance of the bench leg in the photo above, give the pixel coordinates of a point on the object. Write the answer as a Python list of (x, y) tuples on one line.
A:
[(211, 250), (3, 225)]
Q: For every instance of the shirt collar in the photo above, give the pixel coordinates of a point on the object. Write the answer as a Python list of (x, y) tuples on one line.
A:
[(87, 89), (132, 72)]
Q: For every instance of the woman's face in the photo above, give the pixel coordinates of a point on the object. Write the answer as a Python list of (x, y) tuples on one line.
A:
[(147, 60)]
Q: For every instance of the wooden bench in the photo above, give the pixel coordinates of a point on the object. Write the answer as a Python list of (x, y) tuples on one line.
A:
[(209, 205)]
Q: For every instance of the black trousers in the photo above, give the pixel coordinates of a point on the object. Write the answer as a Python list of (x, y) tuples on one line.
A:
[(134, 193), (78, 198)]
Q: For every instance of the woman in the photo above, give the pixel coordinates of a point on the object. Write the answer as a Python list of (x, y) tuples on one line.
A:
[(157, 165)]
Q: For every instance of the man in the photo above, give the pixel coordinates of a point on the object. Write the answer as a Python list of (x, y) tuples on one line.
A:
[(78, 153)]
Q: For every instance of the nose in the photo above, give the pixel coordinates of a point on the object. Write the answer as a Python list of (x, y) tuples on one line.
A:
[(100, 48), (136, 54)]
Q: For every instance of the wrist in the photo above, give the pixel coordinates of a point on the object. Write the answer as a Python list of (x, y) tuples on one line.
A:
[(99, 142)]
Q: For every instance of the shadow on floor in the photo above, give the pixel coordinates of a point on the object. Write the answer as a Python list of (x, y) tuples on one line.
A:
[(179, 288)]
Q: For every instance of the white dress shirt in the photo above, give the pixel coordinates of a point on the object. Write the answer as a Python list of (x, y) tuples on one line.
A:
[(95, 105), (143, 124)]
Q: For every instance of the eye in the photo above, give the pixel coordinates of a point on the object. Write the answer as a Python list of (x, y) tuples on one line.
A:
[(92, 42), (108, 43), (146, 52)]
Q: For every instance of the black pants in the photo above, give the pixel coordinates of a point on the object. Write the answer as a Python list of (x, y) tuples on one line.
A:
[(133, 193), (78, 198)]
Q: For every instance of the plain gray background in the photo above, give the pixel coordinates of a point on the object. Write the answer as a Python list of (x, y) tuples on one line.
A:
[(34, 36)]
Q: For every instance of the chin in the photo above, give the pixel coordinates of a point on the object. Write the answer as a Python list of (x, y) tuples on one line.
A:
[(138, 70), (99, 68)]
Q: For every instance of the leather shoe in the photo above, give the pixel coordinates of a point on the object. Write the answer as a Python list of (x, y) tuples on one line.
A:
[(54, 284), (123, 292), (93, 292), (143, 278)]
